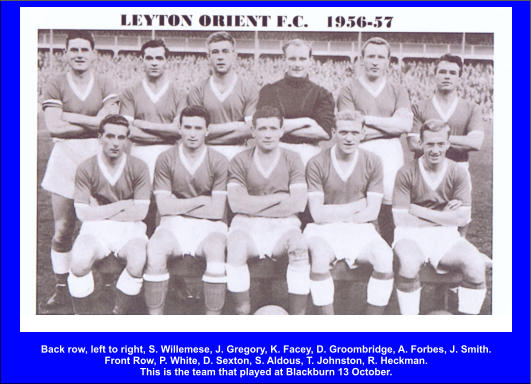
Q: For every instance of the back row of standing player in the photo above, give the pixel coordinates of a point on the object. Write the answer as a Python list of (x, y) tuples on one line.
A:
[(76, 102)]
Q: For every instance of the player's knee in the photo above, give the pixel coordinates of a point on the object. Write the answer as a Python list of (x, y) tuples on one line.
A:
[(409, 257), (214, 247), (136, 257), (158, 249), (298, 250), (382, 257), (237, 248), (473, 268), (62, 238), (321, 257), (83, 253)]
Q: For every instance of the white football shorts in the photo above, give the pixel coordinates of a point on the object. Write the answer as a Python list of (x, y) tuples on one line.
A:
[(112, 236), (265, 232), (190, 232), (392, 157), (347, 240), (306, 151), (149, 154), (60, 175), (433, 242)]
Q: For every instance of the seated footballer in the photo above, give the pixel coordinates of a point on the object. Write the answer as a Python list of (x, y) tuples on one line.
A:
[(345, 191), (431, 200), (266, 190), (190, 188), (111, 198)]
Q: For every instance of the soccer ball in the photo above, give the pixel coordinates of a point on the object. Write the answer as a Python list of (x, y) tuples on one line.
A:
[(271, 310)]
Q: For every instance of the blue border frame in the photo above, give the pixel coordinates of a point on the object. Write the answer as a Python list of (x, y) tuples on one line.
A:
[(21, 360)]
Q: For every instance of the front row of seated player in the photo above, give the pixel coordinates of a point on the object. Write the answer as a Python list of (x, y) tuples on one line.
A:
[(267, 188)]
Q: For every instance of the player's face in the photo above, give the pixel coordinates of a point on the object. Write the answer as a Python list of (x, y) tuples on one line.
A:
[(222, 56), (267, 133), (348, 135), (113, 140), (297, 60), (447, 76), (193, 132), (435, 145), (375, 61), (154, 62), (79, 55)]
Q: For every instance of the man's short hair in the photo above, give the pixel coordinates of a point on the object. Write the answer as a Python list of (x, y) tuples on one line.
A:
[(350, 115), (376, 41), (451, 59), (113, 119), (220, 36), (195, 110), (154, 44), (80, 34), (434, 125), (266, 112), (297, 43)]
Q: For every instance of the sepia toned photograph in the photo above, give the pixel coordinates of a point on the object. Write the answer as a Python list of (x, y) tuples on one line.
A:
[(265, 172)]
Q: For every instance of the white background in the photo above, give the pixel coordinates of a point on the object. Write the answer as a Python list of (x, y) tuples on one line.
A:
[(486, 20)]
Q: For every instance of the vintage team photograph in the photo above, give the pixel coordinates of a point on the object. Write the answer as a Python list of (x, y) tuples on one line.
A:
[(223, 172)]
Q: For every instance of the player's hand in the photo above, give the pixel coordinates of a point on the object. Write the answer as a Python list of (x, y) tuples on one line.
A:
[(453, 205), (93, 202)]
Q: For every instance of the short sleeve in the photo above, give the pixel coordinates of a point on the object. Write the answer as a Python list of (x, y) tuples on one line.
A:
[(195, 96), (475, 122), (314, 178), (127, 103), (52, 95), (345, 101), (296, 170), (238, 171), (461, 190), (402, 101), (375, 179), (142, 185), (82, 191), (221, 170), (402, 190), (251, 98), (162, 177)]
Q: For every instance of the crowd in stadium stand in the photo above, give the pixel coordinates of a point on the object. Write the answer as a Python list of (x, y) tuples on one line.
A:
[(476, 85)]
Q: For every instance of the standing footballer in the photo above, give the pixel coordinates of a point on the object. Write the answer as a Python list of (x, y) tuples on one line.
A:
[(229, 100), (266, 191), (152, 106), (74, 104), (308, 108), (190, 188), (431, 199), (463, 117), (111, 199), (387, 114), (345, 190)]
